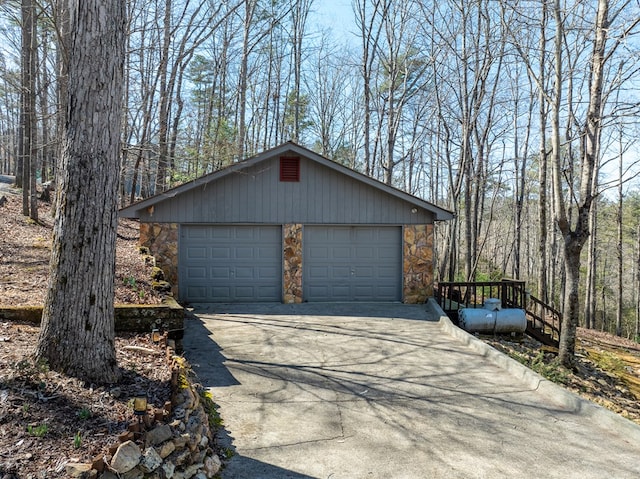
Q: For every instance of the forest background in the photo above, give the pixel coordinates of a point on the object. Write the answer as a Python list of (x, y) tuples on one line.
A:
[(519, 116)]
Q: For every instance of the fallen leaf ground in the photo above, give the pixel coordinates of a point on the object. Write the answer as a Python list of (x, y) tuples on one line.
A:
[(607, 369), (48, 419), (25, 247)]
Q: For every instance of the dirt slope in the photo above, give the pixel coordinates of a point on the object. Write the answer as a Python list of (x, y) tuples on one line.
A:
[(25, 248)]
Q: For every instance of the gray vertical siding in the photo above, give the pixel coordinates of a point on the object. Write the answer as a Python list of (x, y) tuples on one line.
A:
[(256, 195)]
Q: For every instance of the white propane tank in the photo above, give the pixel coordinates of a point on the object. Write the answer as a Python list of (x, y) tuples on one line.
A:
[(480, 320), (493, 304)]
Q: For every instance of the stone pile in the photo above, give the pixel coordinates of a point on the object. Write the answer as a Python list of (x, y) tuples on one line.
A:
[(177, 442)]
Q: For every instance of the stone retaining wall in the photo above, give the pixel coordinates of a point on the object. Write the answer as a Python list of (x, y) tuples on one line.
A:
[(177, 443), (141, 318), (162, 241)]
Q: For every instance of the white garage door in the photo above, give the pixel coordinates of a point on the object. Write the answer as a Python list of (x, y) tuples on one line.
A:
[(230, 263), (352, 263)]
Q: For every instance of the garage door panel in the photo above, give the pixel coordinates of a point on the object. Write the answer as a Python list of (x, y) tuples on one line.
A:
[(198, 292), (244, 293), (365, 234), (317, 291), (342, 235), (388, 235), (217, 233), (317, 272), (244, 252), (338, 272), (364, 272), (195, 272), (220, 291), (385, 291), (339, 252), (387, 253), (218, 253), (266, 292), (246, 234), (366, 253), (195, 252), (220, 273), (386, 272), (197, 232), (271, 234), (244, 273), (317, 252), (363, 291), (268, 273), (240, 263), (352, 263), (340, 293), (268, 253)]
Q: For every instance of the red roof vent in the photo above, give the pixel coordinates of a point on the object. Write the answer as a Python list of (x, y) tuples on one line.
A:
[(289, 168)]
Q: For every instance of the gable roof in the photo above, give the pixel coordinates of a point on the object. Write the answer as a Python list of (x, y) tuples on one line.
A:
[(288, 148)]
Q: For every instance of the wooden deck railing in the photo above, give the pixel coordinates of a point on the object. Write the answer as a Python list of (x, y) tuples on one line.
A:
[(452, 296), (543, 322)]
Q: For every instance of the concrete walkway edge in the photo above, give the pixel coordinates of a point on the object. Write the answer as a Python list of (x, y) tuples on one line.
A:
[(567, 399)]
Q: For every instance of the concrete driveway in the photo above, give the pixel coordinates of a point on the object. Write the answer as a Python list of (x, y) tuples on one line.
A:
[(387, 391)]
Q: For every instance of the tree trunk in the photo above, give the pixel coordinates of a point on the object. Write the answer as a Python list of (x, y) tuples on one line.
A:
[(77, 333), (574, 239), (33, 122), (369, 37), (542, 169), (637, 285), (62, 82), (619, 245), (28, 103), (163, 128), (300, 11), (590, 287), (45, 166), (249, 6)]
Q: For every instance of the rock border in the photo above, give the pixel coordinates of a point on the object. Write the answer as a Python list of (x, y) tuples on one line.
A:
[(177, 441)]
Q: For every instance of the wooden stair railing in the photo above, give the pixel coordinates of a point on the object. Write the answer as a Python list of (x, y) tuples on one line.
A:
[(543, 321)]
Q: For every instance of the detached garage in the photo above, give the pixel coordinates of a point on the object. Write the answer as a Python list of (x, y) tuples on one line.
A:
[(290, 225)]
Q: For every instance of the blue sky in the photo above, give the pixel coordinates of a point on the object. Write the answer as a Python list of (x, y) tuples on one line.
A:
[(334, 14)]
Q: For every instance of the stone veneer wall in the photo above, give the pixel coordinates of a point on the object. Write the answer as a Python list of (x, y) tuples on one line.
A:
[(292, 265), (417, 277), (162, 241)]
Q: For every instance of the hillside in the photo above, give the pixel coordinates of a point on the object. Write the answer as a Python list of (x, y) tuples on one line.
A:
[(607, 369), (25, 247)]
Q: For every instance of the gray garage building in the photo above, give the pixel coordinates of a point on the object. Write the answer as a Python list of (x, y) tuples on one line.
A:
[(290, 225)]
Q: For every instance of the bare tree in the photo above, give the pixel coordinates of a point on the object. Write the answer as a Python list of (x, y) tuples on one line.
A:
[(28, 107), (249, 11), (575, 236), (368, 26), (299, 13), (542, 160)]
